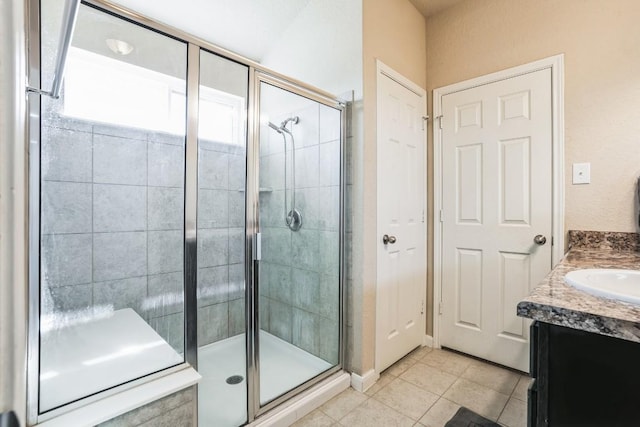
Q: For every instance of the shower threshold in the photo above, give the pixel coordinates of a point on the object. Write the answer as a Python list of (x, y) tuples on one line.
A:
[(222, 396)]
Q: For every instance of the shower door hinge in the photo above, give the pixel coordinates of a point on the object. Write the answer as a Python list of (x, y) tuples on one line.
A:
[(257, 253)]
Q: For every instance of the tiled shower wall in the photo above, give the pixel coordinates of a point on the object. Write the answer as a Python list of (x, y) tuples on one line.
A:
[(299, 291), (112, 226), (221, 220)]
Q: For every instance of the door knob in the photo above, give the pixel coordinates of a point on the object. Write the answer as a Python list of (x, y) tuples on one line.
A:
[(388, 239), (540, 240)]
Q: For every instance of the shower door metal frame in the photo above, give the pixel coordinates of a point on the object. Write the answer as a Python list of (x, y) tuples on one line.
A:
[(253, 287), (257, 74)]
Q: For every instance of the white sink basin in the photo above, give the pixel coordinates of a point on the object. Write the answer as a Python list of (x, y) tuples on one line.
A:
[(622, 285)]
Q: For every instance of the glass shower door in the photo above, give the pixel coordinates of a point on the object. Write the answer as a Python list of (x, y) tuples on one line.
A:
[(222, 147), (299, 220), (111, 192)]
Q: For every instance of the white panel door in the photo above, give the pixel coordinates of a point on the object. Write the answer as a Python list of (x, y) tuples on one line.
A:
[(400, 325), (496, 197)]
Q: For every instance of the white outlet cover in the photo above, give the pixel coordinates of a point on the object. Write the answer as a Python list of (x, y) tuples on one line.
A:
[(582, 173)]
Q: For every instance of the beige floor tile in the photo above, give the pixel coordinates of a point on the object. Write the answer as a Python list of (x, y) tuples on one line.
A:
[(498, 379), (400, 366), (419, 352), (440, 413), (514, 414), (375, 414), (406, 398), (428, 378), (384, 379), (447, 361), (521, 389), (486, 402), (315, 419), (343, 403)]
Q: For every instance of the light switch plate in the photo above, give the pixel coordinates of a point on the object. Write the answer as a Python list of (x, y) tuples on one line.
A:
[(582, 173)]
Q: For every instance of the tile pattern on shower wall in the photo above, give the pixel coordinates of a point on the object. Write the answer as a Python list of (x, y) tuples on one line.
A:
[(299, 272), (112, 222), (221, 220)]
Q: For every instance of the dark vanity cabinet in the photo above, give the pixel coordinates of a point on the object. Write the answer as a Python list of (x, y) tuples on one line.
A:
[(582, 379)]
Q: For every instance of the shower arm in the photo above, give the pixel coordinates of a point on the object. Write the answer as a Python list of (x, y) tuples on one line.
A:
[(282, 129)]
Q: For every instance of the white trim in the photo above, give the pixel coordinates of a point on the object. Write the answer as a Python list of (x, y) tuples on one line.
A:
[(288, 414), (385, 70), (121, 403), (556, 64), (427, 341), (362, 383)]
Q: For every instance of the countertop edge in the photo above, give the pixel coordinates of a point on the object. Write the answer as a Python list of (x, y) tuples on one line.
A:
[(603, 325)]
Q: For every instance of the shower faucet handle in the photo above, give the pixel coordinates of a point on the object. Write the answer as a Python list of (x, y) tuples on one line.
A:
[(388, 239)]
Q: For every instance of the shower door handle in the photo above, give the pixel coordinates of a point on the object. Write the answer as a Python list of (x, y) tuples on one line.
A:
[(257, 249), (386, 239)]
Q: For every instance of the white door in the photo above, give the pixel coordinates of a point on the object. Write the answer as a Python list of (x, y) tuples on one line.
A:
[(401, 274), (496, 197)]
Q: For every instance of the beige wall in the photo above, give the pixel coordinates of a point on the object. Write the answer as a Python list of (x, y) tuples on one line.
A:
[(394, 32), (601, 43)]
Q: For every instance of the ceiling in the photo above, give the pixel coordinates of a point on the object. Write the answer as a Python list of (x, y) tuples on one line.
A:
[(250, 28), (431, 7), (247, 27)]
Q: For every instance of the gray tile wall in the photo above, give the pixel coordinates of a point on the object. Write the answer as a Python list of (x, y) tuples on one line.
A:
[(221, 219), (299, 276), (113, 220)]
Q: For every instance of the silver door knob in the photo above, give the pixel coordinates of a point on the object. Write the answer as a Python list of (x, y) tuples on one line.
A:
[(540, 240), (388, 239)]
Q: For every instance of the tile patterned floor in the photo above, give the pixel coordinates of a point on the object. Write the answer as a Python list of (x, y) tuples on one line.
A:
[(425, 389)]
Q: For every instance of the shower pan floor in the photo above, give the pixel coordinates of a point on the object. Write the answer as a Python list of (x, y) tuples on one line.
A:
[(283, 366)]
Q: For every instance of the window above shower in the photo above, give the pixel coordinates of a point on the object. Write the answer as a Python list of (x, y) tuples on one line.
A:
[(146, 99)]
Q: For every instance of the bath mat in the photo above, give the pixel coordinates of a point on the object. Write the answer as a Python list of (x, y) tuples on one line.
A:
[(467, 418)]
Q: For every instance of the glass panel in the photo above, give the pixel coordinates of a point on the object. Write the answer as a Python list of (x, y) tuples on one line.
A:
[(299, 220), (222, 141), (112, 210)]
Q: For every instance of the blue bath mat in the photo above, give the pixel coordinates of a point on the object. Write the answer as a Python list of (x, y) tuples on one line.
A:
[(467, 418)]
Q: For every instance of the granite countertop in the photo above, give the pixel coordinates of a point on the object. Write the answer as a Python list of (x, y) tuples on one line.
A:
[(555, 302)]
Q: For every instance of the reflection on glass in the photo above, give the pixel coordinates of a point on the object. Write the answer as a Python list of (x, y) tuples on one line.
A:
[(299, 221), (222, 392), (112, 216)]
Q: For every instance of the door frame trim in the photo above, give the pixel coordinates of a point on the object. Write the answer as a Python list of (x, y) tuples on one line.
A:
[(384, 70), (556, 64)]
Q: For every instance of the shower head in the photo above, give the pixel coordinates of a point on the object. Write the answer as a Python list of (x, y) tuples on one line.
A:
[(294, 119), (274, 127)]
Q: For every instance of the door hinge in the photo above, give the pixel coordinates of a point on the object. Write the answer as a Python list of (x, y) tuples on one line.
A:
[(422, 215), (424, 121), (441, 216), (440, 307), (551, 240), (422, 308), (439, 121)]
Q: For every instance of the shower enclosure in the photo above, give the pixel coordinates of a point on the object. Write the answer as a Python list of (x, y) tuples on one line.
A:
[(186, 209)]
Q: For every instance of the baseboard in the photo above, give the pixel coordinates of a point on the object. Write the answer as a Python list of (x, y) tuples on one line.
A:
[(427, 341), (288, 414), (362, 383)]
